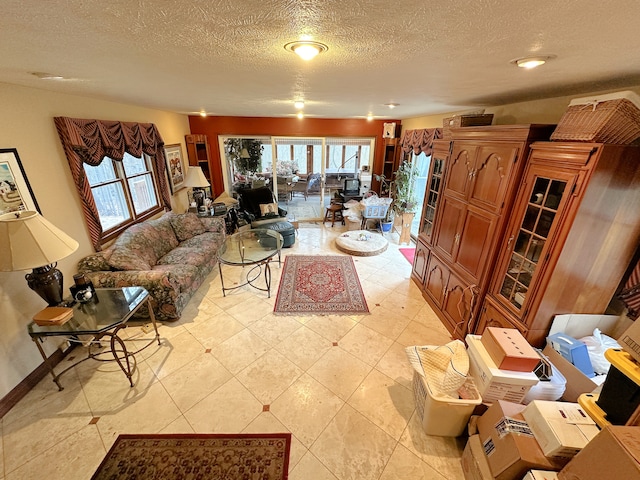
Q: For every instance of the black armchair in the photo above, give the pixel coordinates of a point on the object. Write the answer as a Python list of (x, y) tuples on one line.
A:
[(250, 201)]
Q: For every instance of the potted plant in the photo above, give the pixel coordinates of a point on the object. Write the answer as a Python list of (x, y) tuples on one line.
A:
[(245, 153), (404, 199)]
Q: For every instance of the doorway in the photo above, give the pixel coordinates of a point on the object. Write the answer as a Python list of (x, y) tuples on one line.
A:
[(304, 173)]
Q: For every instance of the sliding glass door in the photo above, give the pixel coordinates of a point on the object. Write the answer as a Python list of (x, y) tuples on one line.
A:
[(299, 171), (304, 173)]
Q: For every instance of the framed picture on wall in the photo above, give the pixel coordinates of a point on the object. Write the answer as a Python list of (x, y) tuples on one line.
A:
[(175, 166), (15, 191)]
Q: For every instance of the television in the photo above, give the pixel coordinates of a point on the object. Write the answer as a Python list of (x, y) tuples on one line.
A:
[(351, 187)]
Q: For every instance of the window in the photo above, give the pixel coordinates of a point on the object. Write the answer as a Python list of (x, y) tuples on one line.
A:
[(124, 192)]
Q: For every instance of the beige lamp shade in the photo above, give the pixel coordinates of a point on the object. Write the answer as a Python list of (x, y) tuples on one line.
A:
[(195, 178), (28, 240)]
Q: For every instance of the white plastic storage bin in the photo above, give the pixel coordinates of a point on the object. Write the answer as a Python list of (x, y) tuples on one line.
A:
[(444, 416)]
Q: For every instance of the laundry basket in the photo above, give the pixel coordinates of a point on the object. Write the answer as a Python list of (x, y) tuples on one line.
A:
[(440, 415), (375, 211)]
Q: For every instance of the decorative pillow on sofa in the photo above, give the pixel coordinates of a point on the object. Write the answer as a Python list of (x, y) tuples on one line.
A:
[(268, 209), (187, 225), (133, 250)]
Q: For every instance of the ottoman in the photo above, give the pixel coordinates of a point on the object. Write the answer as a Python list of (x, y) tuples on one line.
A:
[(285, 229)]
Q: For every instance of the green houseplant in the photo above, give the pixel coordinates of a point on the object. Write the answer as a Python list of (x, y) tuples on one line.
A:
[(245, 153), (403, 191)]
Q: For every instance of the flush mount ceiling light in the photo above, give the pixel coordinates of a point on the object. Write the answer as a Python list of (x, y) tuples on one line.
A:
[(47, 76), (306, 49), (532, 62), (391, 105), (299, 104), (203, 113)]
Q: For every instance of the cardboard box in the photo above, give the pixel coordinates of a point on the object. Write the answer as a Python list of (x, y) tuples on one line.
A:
[(509, 349), (630, 341), (561, 428), (614, 453), (540, 475), (474, 463), (493, 383), (579, 326), (509, 444)]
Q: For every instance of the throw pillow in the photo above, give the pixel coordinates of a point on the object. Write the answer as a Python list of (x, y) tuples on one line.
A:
[(267, 209), (187, 225), (133, 250)]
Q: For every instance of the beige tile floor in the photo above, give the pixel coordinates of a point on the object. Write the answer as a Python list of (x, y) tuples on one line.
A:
[(340, 384)]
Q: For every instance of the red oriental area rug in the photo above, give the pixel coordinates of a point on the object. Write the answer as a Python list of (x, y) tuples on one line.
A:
[(319, 284), (192, 456)]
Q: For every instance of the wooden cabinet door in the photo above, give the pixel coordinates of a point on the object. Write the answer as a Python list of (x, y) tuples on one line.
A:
[(492, 317), (457, 305), (475, 240), (491, 175), (437, 276), (450, 224), (460, 169), (432, 195), (420, 261), (538, 214)]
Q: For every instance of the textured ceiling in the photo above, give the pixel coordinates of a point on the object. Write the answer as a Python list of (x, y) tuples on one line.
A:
[(227, 57)]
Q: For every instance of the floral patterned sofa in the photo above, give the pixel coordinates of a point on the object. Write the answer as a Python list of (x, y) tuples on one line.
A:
[(170, 257)]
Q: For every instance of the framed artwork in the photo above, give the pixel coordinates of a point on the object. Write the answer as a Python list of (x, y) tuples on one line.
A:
[(15, 191), (389, 130), (175, 167)]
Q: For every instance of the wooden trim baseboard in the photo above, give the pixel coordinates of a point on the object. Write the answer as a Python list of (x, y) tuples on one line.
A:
[(20, 390)]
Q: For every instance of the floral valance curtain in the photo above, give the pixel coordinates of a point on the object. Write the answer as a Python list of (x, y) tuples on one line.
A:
[(420, 141), (89, 141)]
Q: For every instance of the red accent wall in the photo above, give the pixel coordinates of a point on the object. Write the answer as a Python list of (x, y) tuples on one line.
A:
[(212, 127)]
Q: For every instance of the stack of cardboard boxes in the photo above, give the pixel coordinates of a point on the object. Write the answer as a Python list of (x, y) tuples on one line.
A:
[(545, 440)]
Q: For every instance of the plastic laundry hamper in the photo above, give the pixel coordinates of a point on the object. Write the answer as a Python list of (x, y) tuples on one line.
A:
[(440, 415)]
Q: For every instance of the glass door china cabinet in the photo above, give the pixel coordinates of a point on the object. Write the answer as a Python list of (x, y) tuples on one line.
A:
[(572, 233)]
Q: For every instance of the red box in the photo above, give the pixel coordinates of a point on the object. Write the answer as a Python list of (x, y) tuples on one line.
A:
[(509, 349)]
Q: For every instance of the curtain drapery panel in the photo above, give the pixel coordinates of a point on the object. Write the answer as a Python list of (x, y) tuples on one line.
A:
[(89, 141), (630, 294), (420, 141)]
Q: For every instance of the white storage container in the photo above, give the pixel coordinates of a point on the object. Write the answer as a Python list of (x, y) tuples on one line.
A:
[(440, 415), (493, 383)]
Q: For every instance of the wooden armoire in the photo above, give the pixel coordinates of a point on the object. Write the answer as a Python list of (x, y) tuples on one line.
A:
[(515, 232)]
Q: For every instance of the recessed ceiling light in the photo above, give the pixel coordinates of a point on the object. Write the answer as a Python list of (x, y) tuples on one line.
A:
[(47, 76), (306, 49), (299, 104), (300, 115), (532, 62), (392, 105)]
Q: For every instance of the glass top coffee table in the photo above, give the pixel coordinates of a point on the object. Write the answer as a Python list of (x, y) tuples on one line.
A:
[(252, 247), (105, 316)]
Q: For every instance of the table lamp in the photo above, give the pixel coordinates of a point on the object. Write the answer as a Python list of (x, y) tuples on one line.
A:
[(195, 178), (28, 240)]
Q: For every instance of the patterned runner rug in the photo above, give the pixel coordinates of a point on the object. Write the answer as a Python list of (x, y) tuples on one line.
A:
[(320, 284), (228, 456)]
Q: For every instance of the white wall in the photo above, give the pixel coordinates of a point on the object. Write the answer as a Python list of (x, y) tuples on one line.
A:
[(26, 123)]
